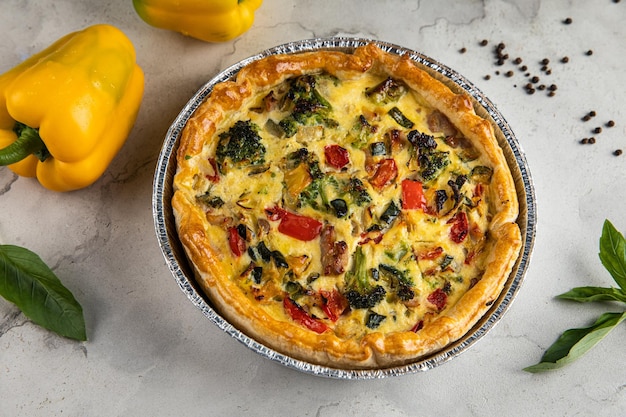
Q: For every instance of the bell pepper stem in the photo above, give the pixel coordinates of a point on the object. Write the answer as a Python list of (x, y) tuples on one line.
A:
[(28, 143)]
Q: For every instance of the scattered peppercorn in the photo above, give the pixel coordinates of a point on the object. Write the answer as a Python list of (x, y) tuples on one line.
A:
[(584, 141), (484, 42), (463, 50), (589, 52), (535, 79), (565, 60), (541, 87), (552, 87), (487, 77), (509, 73), (592, 113), (568, 21), (597, 130), (610, 123), (545, 61), (517, 61), (617, 152), (551, 93), (523, 68), (592, 140)]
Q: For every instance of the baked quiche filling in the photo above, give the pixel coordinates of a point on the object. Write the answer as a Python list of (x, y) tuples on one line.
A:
[(344, 206)]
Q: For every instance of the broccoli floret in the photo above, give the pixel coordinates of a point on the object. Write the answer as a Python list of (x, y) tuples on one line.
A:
[(431, 162), (360, 291), (315, 194), (307, 106), (362, 131), (240, 146), (357, 192)]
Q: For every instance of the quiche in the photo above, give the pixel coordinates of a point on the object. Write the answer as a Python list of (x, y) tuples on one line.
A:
[(345, 209)]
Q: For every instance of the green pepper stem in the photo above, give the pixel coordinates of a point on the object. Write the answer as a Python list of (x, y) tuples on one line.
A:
[(28, 143)]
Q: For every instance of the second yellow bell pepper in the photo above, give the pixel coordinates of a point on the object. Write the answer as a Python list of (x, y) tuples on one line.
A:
[(66, 111), (207, 20)]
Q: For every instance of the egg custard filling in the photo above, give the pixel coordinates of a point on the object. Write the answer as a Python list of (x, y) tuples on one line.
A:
[(345, 209)]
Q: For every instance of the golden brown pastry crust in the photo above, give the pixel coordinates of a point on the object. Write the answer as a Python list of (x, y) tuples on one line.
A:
[(374, 350)]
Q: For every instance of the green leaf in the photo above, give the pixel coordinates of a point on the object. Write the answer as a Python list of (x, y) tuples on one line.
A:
[(613, 253), (29, 283), (588, 294), (574, 343)]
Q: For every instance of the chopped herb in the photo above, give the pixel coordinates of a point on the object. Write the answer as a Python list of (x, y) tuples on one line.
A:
[(374, 320)]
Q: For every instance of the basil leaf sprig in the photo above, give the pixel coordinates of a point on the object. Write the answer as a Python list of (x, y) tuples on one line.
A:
[(30, 284), (573, 343)]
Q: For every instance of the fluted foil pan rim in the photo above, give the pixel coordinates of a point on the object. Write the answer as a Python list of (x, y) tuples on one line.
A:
[(179, 267)]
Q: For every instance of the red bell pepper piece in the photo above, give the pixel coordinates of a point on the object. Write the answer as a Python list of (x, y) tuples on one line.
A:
[(336, 156), (303, 318), (418, 326), (413, 195), (215, 176), (386, 171), (438, 298), (460, 227), (333, 304), (430, 254), (294, 225), (236, 242)]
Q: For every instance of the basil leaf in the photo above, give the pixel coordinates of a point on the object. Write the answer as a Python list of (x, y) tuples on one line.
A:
[(613, 253), (587, 294), (29, 283), (573, 343)]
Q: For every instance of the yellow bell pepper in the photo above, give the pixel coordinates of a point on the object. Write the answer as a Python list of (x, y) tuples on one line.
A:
[(207, 20), (66, 111)]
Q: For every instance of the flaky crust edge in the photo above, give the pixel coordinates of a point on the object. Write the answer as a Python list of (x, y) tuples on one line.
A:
[(375, 350)]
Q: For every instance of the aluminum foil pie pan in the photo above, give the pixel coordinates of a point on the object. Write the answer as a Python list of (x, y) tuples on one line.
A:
[(183, 273)]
